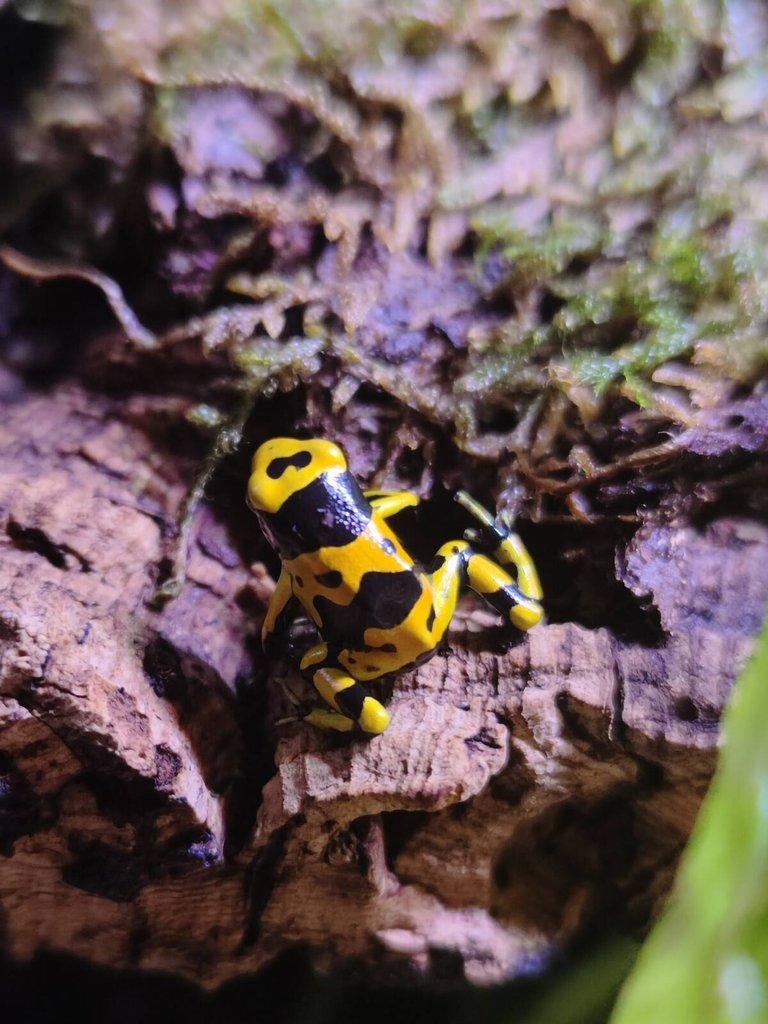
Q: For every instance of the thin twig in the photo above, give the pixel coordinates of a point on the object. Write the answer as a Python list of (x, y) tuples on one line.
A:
[(645, 457), (50, 270)]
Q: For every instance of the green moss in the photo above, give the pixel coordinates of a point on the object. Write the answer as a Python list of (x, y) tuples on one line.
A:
[(685, 264), (668, 61), (271, 365), (166, 104), (506, 365), (610, 238), (539, 255)]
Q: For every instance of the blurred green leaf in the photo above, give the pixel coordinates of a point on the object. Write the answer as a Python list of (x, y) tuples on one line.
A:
[(585, 991), (706, 962)]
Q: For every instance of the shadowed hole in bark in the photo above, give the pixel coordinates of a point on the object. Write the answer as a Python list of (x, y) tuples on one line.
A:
[(52, 984), (167, 765), (587, 726), (342, 848), (122, 798), (9, 631), (516, 779), (409, 466), (571, 857), (550, 305), (257, 761), (26, 46), (104, 870), (446, 966), (750, 499), (577, 565), (483, 738), (324, 170), (399, 828), (294, 322), (497, 419), (22, 812), (686, 709), (501, 302), (262, 876), (29, 538), (163, 666)]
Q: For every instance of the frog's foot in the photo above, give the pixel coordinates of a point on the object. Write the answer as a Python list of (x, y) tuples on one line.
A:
[(347, 697), (373, 720), (491, 533), (329, 720), (497, 538)]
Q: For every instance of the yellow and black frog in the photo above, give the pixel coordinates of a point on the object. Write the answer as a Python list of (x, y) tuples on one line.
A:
[(376, 610)]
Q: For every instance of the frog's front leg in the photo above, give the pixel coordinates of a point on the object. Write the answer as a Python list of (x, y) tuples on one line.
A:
[(351, 701), (278, 610), (389, 503)]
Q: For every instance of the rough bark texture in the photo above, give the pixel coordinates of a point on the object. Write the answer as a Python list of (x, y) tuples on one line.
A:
[(521, 793)]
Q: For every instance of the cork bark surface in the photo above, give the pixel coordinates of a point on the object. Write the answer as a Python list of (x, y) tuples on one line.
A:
[(157, 811)]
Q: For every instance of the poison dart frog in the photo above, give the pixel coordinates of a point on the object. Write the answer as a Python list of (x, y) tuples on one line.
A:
[(376, 610)]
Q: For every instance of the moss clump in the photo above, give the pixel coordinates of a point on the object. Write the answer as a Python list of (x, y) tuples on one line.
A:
[(590, 182)]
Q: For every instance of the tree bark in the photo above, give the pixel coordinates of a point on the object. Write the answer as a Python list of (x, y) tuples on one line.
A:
[(155, 810)]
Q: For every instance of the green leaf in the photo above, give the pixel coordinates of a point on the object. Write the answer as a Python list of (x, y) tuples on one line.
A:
[(706, 962)]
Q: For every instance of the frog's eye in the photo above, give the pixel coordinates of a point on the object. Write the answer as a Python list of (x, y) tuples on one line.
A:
[(278, 466)]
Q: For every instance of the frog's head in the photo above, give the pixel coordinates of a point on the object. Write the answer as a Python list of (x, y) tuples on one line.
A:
[(285, 465), (305, 496)]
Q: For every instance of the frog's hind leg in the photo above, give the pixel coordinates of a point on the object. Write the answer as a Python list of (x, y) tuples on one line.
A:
[(351, 702), (496, 586), (456, 565), (497, 538)]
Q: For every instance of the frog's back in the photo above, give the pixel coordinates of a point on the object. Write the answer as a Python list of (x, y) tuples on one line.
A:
[(368, 584)]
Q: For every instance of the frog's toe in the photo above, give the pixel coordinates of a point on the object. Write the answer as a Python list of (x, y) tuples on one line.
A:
[(374, 717)]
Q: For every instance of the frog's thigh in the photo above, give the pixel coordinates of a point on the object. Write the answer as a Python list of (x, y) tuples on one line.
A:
[(512, 551)]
